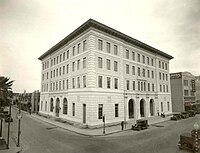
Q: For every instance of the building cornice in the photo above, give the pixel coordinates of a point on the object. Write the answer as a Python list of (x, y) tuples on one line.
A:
[(92, 23)]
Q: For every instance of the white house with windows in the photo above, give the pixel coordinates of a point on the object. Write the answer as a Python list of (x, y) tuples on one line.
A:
[(97, 71)]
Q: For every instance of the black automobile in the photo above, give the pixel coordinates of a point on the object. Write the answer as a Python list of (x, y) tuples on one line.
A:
[(184, 115), (140, 125), (191, 113), (176, 117)]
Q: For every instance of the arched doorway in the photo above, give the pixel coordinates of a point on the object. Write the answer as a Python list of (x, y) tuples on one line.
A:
[(151, 107), (131, 108), (65, 106), (57, 107), (51, 105), (142, 108)]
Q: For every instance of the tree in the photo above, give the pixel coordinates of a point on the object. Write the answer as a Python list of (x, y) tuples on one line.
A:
[(6, 93)]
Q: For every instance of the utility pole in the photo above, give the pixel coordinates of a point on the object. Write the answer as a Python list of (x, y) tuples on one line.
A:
[(9, 119), (19, 116)]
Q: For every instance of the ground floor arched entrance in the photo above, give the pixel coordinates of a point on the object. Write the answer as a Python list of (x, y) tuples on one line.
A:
[(57, 107), (142, 108), (131, 108)]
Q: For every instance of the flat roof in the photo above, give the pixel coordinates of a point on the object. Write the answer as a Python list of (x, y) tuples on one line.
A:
[(95, 24)]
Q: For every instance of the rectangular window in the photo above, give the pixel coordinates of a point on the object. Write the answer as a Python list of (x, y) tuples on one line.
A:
[(148, 86), (152, 74), (60, 71), (148, 61), (108, 47), (160, 76), (56, 72), (185, 82), (163, 76), (57, 60), (116, 83), (166, 66), (152, 87), (160, 88), (152, 62), (84, 62), (133, 56), (163, 88), (73, 109), (68, 54), (100, 111), (108, 64), (51, 74), (56, 86), (167, 88), (78, 64), (168, 108), (63, 84), (73, 66), (143, 72), (73, 82), (67, 84), (64, 56), (51, 62), (100, 62), (100, 81), (133, 85), (143, 59), (78, 82), (186, 93), (163, 66), (138, 71), (127, 69), (138, 85), (47, 75), (115, 66), (115, 50), (127, 54), (63, 69), (148, 73), (100, 44), (116, 110), (73, 51), (84, 45), (60, 57), (166, 77), (67, 68), (78, 48), (54, 61), (127, 84), (159, 64), (84, 81), (108, 82), (133, 70), (138, 59)]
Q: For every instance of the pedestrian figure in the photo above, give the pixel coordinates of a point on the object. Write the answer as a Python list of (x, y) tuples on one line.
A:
[(122, 125)]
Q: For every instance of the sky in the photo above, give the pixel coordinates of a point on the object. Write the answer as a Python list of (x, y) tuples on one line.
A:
[(28, 28)]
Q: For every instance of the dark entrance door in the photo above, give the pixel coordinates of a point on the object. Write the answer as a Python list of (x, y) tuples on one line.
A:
[(142, 108), (57, 107), (131, 108), (84, 113)]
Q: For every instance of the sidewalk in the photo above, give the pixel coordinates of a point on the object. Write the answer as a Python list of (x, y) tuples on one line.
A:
[(98, 131)]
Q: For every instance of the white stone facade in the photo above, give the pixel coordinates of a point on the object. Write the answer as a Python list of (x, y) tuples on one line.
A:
[(118, 100)]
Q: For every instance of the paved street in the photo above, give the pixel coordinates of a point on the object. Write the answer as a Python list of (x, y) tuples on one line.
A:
[(45, 138)]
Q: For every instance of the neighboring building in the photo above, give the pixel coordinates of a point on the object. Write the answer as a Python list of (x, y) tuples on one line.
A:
[(25, 101), (183, 91), (197, 84), (35, 100), (97, 71)]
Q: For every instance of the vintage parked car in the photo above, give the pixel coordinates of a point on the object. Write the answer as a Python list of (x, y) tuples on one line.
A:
[(191, 113), (176, 117), (187, 141), (140, 125), (184, 115)]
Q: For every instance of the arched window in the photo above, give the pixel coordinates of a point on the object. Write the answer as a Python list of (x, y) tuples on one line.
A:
[(51, 105), (65, 106)]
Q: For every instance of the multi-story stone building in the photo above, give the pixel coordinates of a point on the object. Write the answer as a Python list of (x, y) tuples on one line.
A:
[(183, 91), (97, 71), (35, 100)]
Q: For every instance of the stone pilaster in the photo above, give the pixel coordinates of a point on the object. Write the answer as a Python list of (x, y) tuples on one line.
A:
[(91, 77)]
